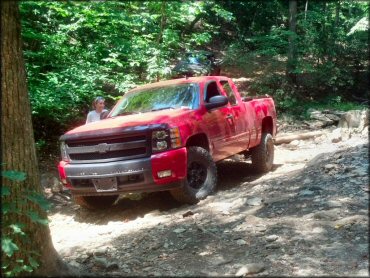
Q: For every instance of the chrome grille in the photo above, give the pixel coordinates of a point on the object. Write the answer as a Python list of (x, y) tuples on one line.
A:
[(108, 149)]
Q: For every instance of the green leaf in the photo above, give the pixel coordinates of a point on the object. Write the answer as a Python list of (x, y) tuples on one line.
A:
[(33, 262), (40, 200), (17, 228), (5, 191), (5, 265), (14, 175), (7, 207), (35, 217), (8, 246), (15, 270), (27, 268)]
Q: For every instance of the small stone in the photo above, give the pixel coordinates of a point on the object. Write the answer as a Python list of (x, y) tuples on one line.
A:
[(325, 215), (306, 192), (100, 261), (75, 264), (295, 143), (315, 188), (329, 166), (188, 213), (155, 246), (220, 261), (307, 180), (271, 238), (272, 246), (261, 229), (241, 242), (112, 266), (255, 201), (250, 269), (179, 230), (318, 230), (148, 268)]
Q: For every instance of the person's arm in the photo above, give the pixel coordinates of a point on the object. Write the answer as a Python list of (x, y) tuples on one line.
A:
[(88, 119)]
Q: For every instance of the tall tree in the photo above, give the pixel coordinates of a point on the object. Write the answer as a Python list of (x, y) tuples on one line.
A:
[(292, 51), (18, 149)]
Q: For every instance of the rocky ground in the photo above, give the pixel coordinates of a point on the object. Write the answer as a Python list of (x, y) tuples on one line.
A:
[(307, 217)]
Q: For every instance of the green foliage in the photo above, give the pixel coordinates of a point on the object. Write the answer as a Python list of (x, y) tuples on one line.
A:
[(331, 55), (333, 102), (14, 235), (14, 175), (76, 51)]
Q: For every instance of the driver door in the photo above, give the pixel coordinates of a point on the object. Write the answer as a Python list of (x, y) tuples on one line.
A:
[(219, 124)]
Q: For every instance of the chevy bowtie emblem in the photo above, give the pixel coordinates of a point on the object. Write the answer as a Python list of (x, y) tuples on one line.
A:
[(103, 148)]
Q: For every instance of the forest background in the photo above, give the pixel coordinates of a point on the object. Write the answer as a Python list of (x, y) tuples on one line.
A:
[(302, 53)]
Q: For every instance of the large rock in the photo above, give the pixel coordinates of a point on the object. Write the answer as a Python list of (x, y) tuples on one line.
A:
[(324, 118), (354, 119)]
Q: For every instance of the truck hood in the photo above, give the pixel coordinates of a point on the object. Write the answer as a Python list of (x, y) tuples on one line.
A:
[(134, 122)]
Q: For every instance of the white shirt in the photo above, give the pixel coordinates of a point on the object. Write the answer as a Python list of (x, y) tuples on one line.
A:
[(94, 116)]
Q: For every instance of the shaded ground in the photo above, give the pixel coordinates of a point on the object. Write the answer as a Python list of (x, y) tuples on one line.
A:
[(307, 217)]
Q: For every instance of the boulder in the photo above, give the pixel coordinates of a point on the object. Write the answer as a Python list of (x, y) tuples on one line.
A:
[(354, 119)]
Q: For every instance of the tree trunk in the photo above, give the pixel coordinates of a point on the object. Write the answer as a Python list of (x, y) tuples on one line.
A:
[(18, 148), (302, 136), (160, 34), (305, 10), (292, 52)]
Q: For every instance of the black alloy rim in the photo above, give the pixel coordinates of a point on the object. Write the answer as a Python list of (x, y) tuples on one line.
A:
[(197, 175)]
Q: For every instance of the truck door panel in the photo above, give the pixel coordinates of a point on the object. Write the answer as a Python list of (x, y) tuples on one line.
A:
[(241, 132), (219, 124)]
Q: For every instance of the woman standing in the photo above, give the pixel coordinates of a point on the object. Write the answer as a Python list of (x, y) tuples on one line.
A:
[(98, 104)]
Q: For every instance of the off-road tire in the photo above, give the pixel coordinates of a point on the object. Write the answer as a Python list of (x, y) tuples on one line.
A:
[(263, 155), (95, 202), (201, 177)]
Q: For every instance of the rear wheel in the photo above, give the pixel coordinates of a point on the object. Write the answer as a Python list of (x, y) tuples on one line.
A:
[(95, 202), (263, 155), (201, 177)]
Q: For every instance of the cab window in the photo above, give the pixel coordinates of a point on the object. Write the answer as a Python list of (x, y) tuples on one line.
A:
[(229, 92), (211, 91)]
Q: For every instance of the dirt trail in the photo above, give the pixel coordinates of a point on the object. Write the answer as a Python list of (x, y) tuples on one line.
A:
[(309, 216)]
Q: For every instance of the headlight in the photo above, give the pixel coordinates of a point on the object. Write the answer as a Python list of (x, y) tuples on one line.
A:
[(160, 134), (166, 139), (63, 151)]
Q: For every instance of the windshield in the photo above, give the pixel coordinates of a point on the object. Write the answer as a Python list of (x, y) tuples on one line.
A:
[(158, 98)]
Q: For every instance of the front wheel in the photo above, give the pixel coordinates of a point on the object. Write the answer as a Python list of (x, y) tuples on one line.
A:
[(263, 155), (95, 202), (201, 177)]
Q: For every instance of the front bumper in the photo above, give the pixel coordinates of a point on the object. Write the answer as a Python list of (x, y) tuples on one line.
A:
[(137, 175)]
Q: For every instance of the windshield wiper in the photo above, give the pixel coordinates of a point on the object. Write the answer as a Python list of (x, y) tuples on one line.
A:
[(124, 113), (163, 108)]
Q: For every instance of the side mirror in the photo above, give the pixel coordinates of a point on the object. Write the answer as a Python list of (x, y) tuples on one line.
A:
[(104, 114), (216, 101)]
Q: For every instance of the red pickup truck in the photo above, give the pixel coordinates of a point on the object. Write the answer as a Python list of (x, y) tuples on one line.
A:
[(167, 136)]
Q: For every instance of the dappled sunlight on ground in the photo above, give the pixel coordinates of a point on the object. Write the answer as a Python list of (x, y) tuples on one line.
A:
[(309, 216)]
